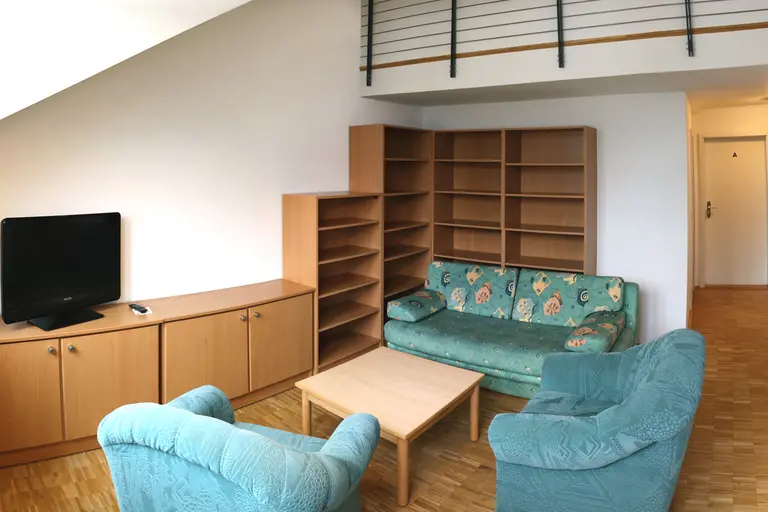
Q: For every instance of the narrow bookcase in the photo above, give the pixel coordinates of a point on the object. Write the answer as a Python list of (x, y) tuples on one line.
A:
[(332, 241)]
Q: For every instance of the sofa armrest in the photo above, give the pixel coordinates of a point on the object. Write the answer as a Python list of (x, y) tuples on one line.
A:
[(206, 401), (588, 375), (279, 478), (631, 305), (417, 306), (348, 453), (559, 442)]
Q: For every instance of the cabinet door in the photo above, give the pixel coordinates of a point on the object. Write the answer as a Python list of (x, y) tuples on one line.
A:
[(101, 372), (281, 340), (207, 350), (30, 400)]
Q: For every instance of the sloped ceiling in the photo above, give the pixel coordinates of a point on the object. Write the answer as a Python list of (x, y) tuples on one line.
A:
[(47, 46)]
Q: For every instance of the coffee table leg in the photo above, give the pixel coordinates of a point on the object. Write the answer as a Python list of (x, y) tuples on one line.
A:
[(474, 414), (402, 472), (306, 414)]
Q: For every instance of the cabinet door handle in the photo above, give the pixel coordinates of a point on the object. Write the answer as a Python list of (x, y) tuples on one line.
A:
[(71, 348), (256, 314), (243, 318), (52, 350)]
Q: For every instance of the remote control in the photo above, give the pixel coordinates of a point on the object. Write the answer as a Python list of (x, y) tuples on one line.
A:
[(138, 307)]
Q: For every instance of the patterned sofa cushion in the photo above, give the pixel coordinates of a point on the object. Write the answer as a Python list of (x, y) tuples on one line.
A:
[(555, 298), (416, 306), (597, 333), (478, 289)]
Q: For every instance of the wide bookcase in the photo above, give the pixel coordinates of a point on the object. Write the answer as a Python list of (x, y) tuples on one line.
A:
[(396, 162), (333, 242), (517, 197)]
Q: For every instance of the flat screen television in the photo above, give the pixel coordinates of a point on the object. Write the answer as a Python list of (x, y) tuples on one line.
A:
[(53, 268)]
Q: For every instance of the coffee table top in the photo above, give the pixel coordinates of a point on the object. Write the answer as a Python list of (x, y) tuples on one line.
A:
[(406, 393)]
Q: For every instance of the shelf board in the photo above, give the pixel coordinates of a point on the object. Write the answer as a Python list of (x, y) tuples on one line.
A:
[(345, 222), (530, 164), (398, 284), (476, 256), (406, 159), (547, 196), (469, 160), (466, 192), (345, 252), (395, 252), (341, 283), (547, 229), (546, 263), (406, 193), (470, 223), (344, 346), (343, 313), (402, 225)]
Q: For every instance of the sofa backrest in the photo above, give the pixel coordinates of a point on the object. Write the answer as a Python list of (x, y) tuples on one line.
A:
[(481, 290), (563, 299)]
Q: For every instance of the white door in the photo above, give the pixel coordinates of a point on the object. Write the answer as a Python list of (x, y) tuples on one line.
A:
[(736, 227)]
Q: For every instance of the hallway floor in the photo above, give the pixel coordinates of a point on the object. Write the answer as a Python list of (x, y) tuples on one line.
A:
[(726, 467)]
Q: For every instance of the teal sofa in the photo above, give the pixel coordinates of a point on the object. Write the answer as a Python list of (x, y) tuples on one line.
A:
[(606, 432), (191, 455), (504, 322)]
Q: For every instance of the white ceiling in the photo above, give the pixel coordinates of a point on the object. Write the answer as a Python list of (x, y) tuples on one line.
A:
[(706, 89)]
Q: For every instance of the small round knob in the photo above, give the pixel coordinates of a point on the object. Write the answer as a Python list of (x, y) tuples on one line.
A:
[(243, 318), (256, 315), (71, 348), (51, 350)]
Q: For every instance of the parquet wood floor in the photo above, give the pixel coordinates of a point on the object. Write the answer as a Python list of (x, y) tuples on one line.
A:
[(726, 468)]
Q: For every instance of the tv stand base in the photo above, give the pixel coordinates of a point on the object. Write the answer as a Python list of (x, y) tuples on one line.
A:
[(78, 316)]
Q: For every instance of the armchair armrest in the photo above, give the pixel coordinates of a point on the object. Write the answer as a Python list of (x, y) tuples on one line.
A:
[(560, 442), (206, 401), (279, 478), (349, 451), (589, 375)]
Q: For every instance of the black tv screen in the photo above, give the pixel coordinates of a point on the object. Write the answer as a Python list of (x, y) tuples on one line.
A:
[(52, 265)]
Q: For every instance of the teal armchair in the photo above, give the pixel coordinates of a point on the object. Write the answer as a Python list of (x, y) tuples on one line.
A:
[(606, 432), (191, 455)]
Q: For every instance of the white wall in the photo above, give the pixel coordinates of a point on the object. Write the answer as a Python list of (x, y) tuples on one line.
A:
[(195, 140), (49, 45), (721, 122), (642, 186)]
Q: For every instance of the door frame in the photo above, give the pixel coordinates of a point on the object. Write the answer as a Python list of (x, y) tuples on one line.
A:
[(698, 201)]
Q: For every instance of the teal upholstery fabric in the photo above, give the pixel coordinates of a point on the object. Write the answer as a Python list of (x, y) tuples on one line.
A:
[(177, 457), (555, 298), (416, 306), (621, 457), (477, 289), (631, 302), (597, 333)]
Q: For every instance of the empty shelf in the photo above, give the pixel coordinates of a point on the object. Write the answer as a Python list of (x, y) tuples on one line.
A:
[(398, 284), (469, 160), (476, 256), (342, 347), (343, 313), (406, 193), (547, 229), (407, 159), (345, 222), (394, 252), (345, 252), (529, 164), (546, 263), (402, 225), (546, 196), (469, 192), (469, 223), (341, 283)]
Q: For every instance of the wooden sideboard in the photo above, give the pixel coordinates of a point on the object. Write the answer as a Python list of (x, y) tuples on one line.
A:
[(55, 387)]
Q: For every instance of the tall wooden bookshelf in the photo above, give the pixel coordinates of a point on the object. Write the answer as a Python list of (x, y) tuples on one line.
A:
[(396, 162), (517, 197), (333, 242)]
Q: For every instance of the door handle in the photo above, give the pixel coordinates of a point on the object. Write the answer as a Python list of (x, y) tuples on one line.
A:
[(710, 208)]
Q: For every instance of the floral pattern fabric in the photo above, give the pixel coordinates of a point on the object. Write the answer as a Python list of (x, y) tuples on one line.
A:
[(597, 333), (555, 298), (477, 289), (416, 306)]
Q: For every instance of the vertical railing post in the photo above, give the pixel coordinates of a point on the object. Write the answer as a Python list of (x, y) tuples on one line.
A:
[(560, 35), (453, 38), (369, 56), (689, 27)]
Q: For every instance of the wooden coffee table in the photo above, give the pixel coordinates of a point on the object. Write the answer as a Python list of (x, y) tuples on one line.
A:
[(407, 394)]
